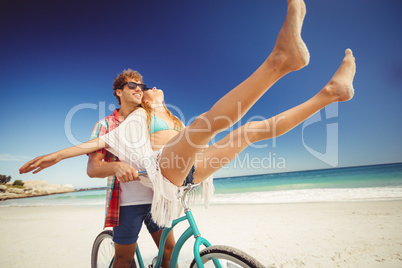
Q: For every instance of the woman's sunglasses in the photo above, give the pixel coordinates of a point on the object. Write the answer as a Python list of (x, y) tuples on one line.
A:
[(134, 85)]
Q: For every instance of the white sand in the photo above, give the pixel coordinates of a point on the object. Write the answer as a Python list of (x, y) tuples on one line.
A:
[(350, 234)]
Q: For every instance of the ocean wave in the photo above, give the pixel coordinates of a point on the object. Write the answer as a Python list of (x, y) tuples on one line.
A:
[(311, 195), (253, 197), (27, 202)]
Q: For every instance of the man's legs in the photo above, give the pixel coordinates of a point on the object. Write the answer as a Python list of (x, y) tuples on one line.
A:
[(168, 249), (156, 233), (123, 255), (125, 235)]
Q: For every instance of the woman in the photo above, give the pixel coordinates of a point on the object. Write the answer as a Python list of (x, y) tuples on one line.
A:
[(169, 166)]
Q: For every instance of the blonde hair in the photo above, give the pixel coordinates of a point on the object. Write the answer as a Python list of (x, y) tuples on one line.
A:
[(177, 122)]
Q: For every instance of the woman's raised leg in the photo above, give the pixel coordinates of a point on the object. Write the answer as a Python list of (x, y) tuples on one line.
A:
[(289, 54), (340, 88)]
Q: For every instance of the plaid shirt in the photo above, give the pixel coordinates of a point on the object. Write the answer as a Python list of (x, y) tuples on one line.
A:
[(113, 187)]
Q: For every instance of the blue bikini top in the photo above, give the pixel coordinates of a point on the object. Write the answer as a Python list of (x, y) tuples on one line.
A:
[(158, 124)]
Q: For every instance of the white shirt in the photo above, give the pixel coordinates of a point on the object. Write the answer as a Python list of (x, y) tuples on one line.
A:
[(130, 142)]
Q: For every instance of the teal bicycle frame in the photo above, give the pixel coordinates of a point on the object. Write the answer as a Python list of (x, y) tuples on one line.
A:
[(192, 230), (218, 254)]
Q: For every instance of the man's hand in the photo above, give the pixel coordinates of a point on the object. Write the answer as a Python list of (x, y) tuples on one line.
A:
[(126, 173)]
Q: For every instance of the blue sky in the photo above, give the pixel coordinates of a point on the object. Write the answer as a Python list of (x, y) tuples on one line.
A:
[(59, 59)]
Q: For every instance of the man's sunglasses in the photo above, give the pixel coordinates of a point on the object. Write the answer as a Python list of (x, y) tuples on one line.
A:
[(134, 85)]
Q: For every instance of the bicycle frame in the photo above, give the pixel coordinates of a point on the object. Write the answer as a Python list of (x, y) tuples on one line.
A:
[(192, 230), (210, 253)]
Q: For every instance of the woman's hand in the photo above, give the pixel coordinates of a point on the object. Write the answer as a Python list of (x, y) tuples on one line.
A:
[(40, 163)]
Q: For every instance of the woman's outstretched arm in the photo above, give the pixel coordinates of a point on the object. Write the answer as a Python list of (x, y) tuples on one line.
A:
[(45, 161)]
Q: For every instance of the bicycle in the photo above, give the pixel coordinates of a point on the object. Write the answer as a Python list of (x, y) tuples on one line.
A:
[(212, 256)]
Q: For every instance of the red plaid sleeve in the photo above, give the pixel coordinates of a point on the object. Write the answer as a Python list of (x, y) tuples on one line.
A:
[(113, 187)]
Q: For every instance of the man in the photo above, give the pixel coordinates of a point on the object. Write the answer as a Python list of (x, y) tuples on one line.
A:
[(128, 202)]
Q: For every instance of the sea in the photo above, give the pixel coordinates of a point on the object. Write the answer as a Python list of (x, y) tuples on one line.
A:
[(362, 183)]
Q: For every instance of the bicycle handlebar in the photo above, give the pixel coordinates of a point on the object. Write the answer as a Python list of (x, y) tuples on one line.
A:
[(187, 189)]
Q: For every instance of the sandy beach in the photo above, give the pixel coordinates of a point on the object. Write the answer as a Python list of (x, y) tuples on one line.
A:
[(343, 234)]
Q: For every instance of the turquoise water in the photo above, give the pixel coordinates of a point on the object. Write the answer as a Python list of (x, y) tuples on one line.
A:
[(84, 198), (351, 177), (378, 182)]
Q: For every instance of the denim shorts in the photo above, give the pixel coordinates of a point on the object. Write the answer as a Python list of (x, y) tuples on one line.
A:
[(130, 223), (190, 177)]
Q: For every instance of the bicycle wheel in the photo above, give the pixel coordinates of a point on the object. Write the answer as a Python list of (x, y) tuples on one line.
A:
[(228, 257), (103, 250)]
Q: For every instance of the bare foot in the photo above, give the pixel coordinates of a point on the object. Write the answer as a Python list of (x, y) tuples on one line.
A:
[(340, 87), (290, 52)]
